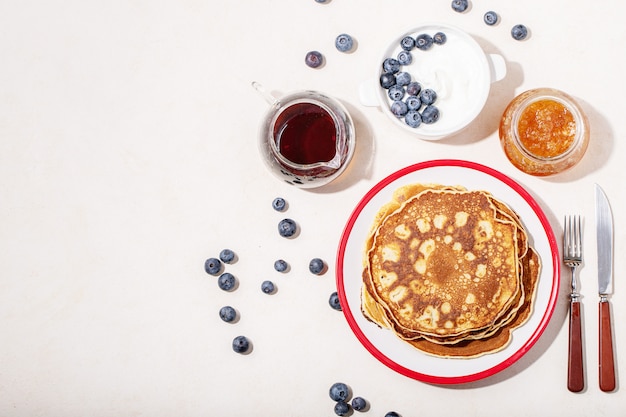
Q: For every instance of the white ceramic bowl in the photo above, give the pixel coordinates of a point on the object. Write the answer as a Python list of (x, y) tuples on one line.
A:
[(459, 71)]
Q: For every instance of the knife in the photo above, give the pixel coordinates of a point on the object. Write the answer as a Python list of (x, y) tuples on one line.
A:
[(604, 236)]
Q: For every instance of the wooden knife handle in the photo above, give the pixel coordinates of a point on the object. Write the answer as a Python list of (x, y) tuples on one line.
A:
[(575, 367), (607, 367)]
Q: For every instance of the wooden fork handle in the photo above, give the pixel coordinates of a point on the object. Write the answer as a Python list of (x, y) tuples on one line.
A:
[(575, 367), (607, 368)]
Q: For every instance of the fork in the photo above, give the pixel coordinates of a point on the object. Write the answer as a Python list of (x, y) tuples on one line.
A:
[(573, 258)]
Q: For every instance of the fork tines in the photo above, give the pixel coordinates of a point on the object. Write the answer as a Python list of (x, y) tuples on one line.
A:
[(572, 237)]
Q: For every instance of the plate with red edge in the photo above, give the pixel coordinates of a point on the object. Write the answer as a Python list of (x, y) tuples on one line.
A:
[(400, 356)]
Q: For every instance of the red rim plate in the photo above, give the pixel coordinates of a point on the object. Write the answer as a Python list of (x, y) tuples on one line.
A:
[(400, 356)]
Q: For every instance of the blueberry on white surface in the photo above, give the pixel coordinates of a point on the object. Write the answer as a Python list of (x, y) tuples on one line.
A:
[(490, 18), (316, 266), (430, 114), (399, 108), (424, 41), (279, 204), (407, 43), (391, 65), (228, 314), (459, 5), (387, 80), (519, 32), (344, 42), (440, 38), (428, 96), (268, 287), (342, 408), (226, 281), (405, 58), (359, 404), (403, 78), (213, 266), (333, 301), (287, 227), (413, 88), (396, 92), (241, 344), (227, 256), (314, 59), (280, 265), (392, 414), (413, 103), (339, 391), (413, 118)]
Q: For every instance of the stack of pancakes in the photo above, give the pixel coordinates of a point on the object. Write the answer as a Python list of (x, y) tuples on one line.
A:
[(448, 270)]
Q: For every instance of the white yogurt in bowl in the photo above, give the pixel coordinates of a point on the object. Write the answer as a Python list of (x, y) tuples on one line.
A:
[(458, 70)]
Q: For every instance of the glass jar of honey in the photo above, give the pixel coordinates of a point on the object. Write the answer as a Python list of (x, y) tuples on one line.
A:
[(544, 132)]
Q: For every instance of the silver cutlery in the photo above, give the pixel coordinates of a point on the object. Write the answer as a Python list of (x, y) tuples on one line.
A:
[(604, 232), (573, 257)]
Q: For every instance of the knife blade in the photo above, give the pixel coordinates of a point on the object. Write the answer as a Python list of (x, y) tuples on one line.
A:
[(604, 236)]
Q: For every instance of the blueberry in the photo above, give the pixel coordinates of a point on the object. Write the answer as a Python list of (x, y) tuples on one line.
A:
[(228, 314), (359, 404), (342, 408), (403, 78), (387, 80), (405, 58), (413, 88), (344, 42), (413, 103), (280, 265), (287, 228), (314, 59), (428, 96), (339, 391), (407, 43), (519, 32), (490, 18), (226, 281), (334, 301), (391, 65), (279, 204), (440, 38), (413, 118), (241, 344), (430, 114), (460, 5), (268, 287), (212, 266), (392, 414), (424, 41), (399, 108), (395, 92), (317, 266), (227, 256), (321, 1)]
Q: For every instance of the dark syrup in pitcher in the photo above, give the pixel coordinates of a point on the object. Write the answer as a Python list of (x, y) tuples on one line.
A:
[(305, 134)]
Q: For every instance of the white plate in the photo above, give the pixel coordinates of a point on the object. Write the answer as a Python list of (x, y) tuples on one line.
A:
[(399, 355)]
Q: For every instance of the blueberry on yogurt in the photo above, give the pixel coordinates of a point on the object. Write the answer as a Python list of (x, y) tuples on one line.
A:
[(428, 96), (413, 88), (413, 103), (403, 78), (399, 108), (391, 65), (424, 41), (413, 118), (387, 80), (396, 92), (407, 43), (440, 38), (430, 114), (405, 58)]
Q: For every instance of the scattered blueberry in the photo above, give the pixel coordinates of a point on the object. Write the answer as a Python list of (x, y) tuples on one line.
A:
[(399, 108), (424, 41), (241, 344), (413, 88), (268, 287), (519, 32), (413, 118), (228, 314), (213, 266), (279, 204), (359, 404), (314, 59), (339, 391), (344, 42), (403, 78), (440, 38), (407, 43), (320, 1), (334, 301), (226, 281), (405, 58), (342, 408), (460, 5), (316, 266), (413, 103), (287, 227), (490, 18), (387, 80), (391, 65), (395, 92), (227, 256), (428, 96), (430, 114), (280, 265)]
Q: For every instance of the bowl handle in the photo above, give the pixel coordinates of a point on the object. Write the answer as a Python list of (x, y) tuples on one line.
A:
[(497, 66), (368, 94)]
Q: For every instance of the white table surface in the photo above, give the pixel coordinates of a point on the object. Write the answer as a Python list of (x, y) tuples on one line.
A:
[(128, 156)]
